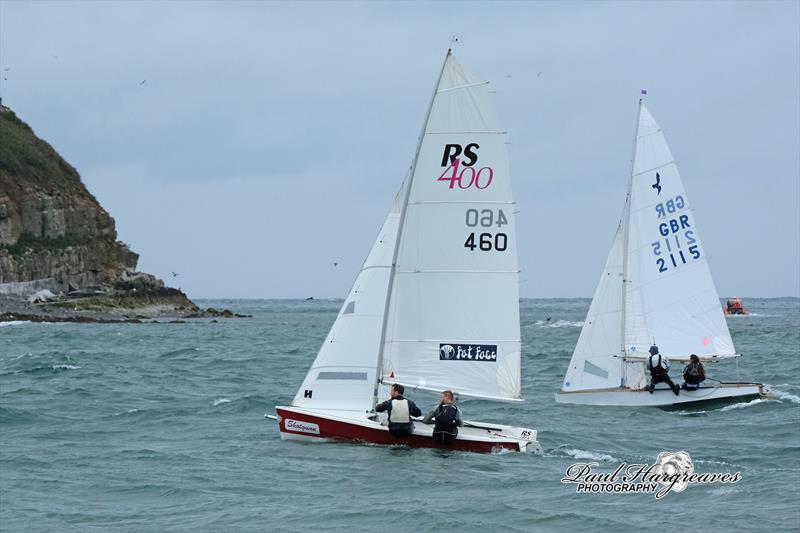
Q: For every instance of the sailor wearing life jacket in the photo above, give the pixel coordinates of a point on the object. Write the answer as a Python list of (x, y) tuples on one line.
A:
[(693, 374), (400, 412), (447, 418), (658, 365)]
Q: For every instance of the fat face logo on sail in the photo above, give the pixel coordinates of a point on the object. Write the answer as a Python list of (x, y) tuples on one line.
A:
[(462, 171), (467, 352)]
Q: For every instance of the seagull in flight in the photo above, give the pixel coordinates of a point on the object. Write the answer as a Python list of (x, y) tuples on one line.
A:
[(142, 82), (657, 184), (175, 274)]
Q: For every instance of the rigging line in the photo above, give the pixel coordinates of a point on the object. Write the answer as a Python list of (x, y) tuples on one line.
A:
[(483, 132), (467, 86), (494, 202), (443, 271), (673, 162), (648, 134)]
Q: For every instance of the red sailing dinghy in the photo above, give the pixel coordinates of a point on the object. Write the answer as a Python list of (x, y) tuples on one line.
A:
[(436, 304)]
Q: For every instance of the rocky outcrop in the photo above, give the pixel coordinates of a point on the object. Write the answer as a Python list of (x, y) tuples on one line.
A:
[(55, 235)]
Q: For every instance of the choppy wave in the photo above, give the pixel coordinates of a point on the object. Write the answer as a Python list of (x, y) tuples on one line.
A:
[(65, 367), (557, 324), (149, 408), (592, 456), (782, 395), (743, 405), (14, 323), (179, 351)]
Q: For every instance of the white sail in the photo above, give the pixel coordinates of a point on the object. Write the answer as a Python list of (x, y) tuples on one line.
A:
[(667, 265), (453, 313), (343, 374), (656, 286), (594, 363)]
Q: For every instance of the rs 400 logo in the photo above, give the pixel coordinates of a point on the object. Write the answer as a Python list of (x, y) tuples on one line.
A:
[(464, 174)]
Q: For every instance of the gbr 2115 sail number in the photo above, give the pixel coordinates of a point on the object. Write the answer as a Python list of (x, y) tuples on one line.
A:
[(679, 244)]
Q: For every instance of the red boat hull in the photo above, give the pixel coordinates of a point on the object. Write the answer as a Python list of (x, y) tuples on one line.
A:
[(312, 426)]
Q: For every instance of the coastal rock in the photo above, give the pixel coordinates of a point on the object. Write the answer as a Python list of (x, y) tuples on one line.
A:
[(55, 235)]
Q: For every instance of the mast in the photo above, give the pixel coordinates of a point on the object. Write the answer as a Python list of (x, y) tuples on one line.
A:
[(625, 233), (403, 208)]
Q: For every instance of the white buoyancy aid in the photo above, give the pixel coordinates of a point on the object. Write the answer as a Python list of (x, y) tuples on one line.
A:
[(399, 413), (657, 360)]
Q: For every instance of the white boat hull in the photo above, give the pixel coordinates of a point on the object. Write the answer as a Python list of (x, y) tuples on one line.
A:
[(296, 423), (661, 397)]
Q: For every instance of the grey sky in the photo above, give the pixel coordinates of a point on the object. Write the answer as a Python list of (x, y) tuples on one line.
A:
[(269, 139)]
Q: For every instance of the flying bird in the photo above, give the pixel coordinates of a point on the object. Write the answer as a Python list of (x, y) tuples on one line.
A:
[(657, 184), (142, 82), (175, 274), (538, 74), (335, 264)]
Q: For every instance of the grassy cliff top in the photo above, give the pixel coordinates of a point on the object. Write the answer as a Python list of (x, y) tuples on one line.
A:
[(24, 155)]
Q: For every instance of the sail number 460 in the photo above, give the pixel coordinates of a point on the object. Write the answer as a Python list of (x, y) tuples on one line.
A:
[(486, 241)]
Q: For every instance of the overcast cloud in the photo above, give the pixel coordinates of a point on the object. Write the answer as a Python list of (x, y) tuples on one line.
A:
[(269, 139)]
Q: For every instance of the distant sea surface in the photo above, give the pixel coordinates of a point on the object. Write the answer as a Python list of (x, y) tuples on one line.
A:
[(160, 427)]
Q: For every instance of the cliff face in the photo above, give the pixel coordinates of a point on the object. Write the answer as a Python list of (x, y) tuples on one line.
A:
[(53, 233)]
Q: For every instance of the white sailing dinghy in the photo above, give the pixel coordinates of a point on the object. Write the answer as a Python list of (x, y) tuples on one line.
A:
[(656, 288), (435, 305)]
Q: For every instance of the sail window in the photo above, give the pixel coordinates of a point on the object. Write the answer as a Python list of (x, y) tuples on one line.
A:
[(350, 308), (594, 370), (357, 376)]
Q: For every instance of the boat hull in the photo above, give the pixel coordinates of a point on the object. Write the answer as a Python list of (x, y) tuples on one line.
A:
[(306, 425), (661, 397)]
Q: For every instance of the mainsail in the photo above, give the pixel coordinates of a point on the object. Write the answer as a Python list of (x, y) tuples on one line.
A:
[(657, 286), (436, 304), (453, 313)]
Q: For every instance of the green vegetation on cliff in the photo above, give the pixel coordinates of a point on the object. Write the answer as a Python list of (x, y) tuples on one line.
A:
[(23, 154)]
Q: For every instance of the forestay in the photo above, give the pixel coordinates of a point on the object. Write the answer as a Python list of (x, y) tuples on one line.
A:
[(453, 313), (669, 295)]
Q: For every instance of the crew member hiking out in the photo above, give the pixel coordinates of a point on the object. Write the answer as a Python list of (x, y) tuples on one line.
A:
[(400, 412), (658, 365), (447, 418)]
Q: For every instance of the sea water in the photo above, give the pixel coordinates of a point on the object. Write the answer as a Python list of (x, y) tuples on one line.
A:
[(160, 427)]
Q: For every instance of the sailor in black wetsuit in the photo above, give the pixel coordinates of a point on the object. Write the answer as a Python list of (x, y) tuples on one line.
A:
[(693, 374), (400, 412), (658, 365), (447, 418)]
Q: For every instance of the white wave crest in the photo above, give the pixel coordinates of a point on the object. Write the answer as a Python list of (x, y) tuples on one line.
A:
[(221, 401), (782, 395), (722, 491), (743, 405), (594, 456), (65, 367), (558, 324), (14, 323)]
